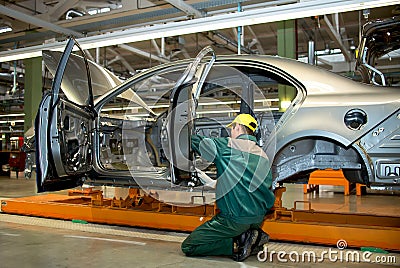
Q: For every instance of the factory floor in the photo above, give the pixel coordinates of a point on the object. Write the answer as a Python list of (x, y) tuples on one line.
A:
[(37, 242)]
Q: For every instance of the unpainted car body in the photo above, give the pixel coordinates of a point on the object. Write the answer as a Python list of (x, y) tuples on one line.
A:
[(379, 39), (139, 132)]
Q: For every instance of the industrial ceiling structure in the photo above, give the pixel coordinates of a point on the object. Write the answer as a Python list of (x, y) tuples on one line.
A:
[(127, 36)]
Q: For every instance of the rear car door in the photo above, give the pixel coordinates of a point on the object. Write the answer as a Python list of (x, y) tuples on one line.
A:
[(64, 124)]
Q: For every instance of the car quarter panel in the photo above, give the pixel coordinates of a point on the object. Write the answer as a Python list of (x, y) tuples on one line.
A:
[(329, 97)]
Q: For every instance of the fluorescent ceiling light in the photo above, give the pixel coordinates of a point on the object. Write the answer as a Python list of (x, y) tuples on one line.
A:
[(218, 103), (92, 12), (30, 52), (95, 11), (200, 104), (11, 115), (266, 109), (10, 121), (217, 112), (117, 109), (138, 116), (269, 14), (4, 29), (20, 56), (159, 106), (236, 111), (285, 104), (263, 100)]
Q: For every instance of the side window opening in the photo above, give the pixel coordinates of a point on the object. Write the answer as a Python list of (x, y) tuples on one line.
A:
[(130, 136), (132, 139), (230, 90), (74, 127)]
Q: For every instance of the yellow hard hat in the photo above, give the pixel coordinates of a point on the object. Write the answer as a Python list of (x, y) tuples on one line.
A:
[(245, 120)]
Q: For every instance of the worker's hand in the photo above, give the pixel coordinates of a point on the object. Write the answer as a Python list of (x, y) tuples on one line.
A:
[(205, 179)]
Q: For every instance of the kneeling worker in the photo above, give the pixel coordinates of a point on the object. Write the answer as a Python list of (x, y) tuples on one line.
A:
[(243, 194)]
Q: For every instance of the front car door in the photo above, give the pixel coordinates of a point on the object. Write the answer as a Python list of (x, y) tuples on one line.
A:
[(64, 124), (181, 118)]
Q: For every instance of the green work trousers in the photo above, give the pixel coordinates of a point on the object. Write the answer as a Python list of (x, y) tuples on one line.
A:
[(214, 237)]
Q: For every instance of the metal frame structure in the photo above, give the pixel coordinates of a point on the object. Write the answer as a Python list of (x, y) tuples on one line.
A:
[(245, 18), (282, 224)]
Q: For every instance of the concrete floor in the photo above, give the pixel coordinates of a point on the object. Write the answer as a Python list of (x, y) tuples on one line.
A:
[(36, 242)]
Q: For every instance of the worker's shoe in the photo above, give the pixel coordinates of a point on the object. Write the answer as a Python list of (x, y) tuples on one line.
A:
[(262, 239), (246, 242)]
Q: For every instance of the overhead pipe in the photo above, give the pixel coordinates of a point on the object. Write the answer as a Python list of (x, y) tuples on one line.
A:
[(143, 53), (97, 55), (155, 45), (311, 52), (74, 12), (14, 88), (230, 42), (36, 21), (163, 46), (239, 32)]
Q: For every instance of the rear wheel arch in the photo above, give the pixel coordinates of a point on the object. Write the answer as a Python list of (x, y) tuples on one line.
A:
[(295, 160), (364, 175)]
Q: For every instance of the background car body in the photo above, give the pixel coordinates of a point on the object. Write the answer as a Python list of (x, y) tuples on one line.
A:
[(379, 39)]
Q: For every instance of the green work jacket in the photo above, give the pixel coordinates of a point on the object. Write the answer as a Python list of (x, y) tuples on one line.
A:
[(243, 190)]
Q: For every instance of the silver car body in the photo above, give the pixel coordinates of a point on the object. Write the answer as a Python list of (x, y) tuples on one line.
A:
[(333, 122)]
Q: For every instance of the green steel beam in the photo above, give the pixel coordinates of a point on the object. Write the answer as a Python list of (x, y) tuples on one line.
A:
[(33, 90), (286, 48)]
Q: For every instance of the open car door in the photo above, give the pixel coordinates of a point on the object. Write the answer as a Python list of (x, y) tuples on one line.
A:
[(183, 100), (64, 123)]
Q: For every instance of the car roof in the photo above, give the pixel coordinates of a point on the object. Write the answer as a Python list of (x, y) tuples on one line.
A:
[(302, 72), (315, 79)]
